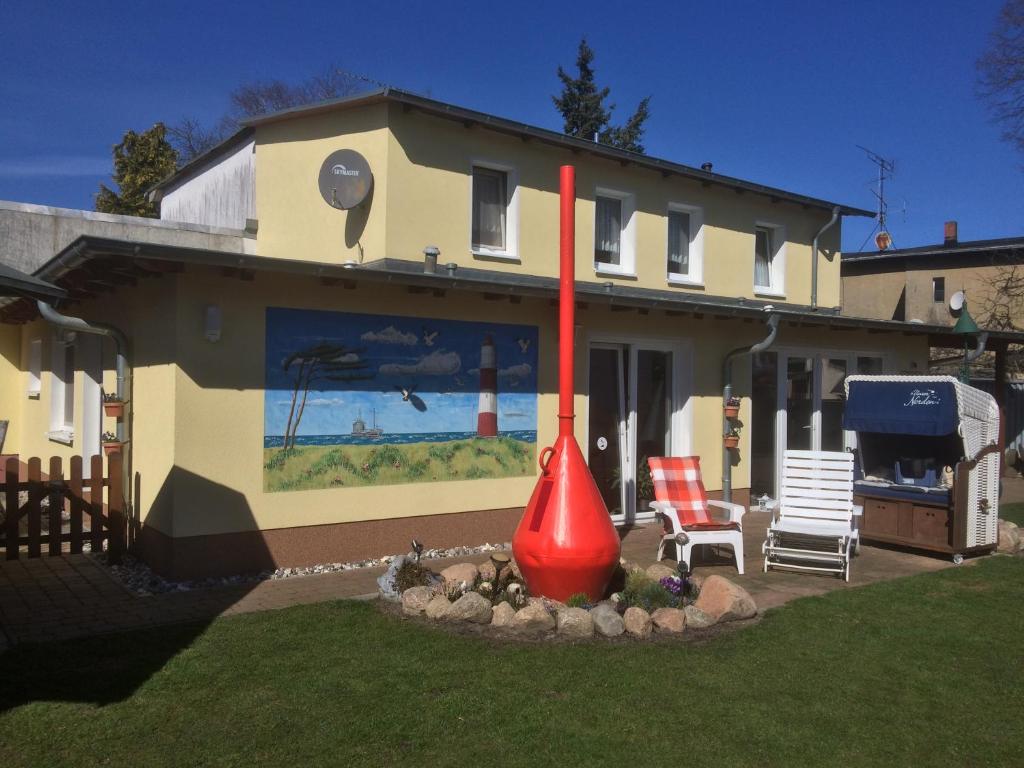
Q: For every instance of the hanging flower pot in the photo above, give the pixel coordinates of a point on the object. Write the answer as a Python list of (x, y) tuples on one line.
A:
[(114, 408), (732, 411), (731, 441), (114, 447)]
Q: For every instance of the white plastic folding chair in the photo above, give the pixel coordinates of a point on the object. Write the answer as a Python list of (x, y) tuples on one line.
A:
[(813, 525)]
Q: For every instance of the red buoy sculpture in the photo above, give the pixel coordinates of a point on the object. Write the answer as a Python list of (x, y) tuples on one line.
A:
[(566, 543)]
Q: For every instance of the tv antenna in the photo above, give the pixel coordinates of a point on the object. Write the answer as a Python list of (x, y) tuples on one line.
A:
[(886, 170)]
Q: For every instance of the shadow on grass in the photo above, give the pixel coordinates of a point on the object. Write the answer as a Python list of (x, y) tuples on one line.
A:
[(110, 666)]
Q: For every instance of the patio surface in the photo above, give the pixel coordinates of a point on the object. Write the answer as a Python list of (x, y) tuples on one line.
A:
[(72, 596)]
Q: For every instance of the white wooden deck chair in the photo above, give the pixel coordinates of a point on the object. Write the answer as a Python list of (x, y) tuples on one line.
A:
[(813, 526)]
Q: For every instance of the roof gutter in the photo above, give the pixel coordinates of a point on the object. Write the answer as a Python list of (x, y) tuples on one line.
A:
[(814, 255), (767, 341)]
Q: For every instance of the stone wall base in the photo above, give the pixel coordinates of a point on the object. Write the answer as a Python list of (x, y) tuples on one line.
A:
[(197, 557)]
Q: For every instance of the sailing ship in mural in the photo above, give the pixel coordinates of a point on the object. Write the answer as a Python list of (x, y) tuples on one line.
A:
[(448, 400)]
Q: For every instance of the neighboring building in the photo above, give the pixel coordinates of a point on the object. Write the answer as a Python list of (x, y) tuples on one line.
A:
[(311, 388), (915, 284)]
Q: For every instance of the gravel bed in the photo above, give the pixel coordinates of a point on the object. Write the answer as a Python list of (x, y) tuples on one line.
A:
[(140, 578)]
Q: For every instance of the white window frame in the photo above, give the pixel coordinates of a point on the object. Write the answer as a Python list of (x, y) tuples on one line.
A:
[(777, 267), (511, 250), (627, 236), (60, 379), (695, 277), (35, 368)]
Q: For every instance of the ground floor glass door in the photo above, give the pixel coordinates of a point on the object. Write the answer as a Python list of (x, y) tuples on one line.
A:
[(802, 410), (632, 405)]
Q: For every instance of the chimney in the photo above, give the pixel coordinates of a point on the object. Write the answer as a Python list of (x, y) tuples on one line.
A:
[(949, 232)]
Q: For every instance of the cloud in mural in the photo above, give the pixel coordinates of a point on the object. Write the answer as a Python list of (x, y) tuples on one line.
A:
[(435, 364), (348, 357), (328, 401), (390, 335)]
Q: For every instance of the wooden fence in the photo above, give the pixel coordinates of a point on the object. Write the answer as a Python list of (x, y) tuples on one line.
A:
[(81, 500)]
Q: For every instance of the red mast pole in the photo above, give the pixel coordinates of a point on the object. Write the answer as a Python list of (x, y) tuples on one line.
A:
[(567, 303)]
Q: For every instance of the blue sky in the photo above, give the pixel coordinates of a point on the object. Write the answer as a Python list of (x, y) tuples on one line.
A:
[(778, 93)]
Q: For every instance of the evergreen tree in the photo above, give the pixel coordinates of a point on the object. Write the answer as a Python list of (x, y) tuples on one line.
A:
[(583, 108), (140, 161)]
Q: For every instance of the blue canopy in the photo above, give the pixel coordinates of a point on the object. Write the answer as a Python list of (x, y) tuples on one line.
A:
[(901, 407)]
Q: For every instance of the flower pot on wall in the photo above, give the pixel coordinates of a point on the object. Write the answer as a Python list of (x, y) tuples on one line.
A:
[(114, 408), (109, 448), (732, 411), (731, 441)]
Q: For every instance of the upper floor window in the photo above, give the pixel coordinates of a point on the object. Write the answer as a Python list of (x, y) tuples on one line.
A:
[(613, 232), (494, 211), (684, 260), (769, 259), (938, 289)]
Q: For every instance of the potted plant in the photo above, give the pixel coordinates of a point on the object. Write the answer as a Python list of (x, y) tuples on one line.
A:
[(732, 408), (644, 484), (110, 443), (732, 438), (113, 405)]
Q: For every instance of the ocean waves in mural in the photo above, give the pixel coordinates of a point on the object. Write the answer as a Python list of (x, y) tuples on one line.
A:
[(355, 400)]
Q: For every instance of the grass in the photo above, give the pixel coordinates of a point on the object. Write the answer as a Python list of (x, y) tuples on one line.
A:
[(309, 467), (1012, 512), (923, 671)]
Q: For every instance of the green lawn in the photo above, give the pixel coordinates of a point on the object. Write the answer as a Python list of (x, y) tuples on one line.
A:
[(1012, 512), (927, 670)]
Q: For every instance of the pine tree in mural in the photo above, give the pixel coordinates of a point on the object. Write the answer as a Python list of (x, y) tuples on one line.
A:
[(315, 365)]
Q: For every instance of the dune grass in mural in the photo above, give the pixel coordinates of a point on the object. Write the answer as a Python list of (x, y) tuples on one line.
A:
[(347, 466)]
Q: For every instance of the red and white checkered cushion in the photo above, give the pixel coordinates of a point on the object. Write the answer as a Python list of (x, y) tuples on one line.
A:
[(677, 482)]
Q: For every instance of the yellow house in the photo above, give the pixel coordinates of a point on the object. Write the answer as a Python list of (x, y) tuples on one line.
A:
[(366, 352)]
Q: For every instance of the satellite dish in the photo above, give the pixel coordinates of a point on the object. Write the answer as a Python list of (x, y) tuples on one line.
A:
[(345, 179), (956, 301)]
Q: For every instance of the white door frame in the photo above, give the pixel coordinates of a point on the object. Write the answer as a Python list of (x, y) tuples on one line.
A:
[(680, 419)]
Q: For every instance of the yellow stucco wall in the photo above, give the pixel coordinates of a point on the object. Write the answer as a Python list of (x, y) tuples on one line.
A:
[(295, 222), (198, 406), (11, 393), (422, 173)]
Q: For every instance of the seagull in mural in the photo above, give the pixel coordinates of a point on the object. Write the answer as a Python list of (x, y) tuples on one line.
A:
[(429, 336), (524, 344), (415, 400)]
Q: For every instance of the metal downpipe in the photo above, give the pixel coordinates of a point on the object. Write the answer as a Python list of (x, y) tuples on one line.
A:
[(814, 256), (773, 330), (79, 325)]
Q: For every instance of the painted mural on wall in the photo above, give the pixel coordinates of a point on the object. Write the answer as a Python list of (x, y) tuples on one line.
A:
[(357, 399)]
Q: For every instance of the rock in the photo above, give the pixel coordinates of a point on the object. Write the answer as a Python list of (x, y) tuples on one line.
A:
[(575, 622), (386, 581), (696, 582), (724, 601), (607, 621), (547, 602), (1009, 538), (488, 571), (437, 608), (637, 622), (459, 573), (696, 618), (657, 572), (416, 599), (503, 615), (472, 607), (533, 618), (669, 620), (628, 565)]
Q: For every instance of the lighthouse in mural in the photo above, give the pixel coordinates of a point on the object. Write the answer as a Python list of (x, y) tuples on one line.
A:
[(487, 414)]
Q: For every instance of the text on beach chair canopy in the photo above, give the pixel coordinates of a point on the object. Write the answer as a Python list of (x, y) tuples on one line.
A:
[(901, 407)]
